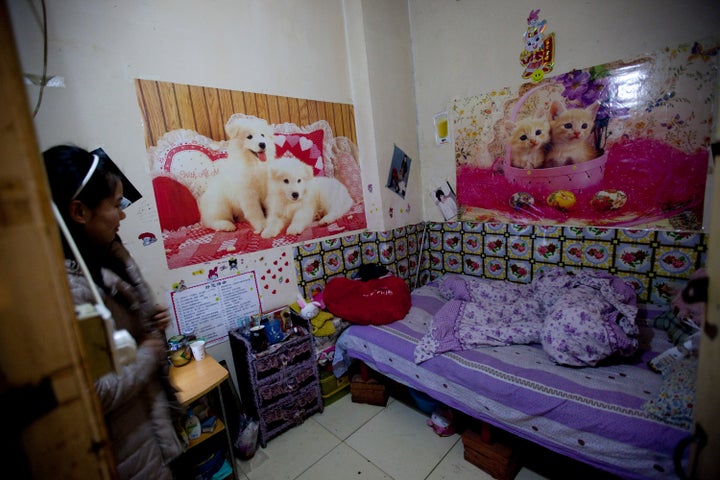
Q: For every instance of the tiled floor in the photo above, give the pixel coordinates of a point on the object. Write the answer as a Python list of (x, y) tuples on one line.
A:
[(359, 441)]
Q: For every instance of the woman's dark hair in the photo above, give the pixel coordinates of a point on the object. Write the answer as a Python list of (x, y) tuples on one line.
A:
[(67, 166), (439, 193)]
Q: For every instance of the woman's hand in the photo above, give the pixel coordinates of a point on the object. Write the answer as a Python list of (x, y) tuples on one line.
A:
[(160, 318), (155, 344)]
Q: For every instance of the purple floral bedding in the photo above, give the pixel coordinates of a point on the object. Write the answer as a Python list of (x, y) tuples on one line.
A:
[(580, 317), (594, 414)]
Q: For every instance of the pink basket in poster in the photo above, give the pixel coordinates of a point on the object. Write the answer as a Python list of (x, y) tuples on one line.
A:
[(569, 177)]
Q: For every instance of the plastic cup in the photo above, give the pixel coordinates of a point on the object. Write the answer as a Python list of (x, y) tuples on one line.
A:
[(198, 349)]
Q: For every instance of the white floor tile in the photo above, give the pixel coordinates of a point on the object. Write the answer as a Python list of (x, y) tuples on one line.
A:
[(344, 417), (291, 453), (400, 443), (343, 463), (455, 467)]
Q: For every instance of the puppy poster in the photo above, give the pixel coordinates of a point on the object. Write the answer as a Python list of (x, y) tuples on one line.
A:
[(239, 172), (625, 144)]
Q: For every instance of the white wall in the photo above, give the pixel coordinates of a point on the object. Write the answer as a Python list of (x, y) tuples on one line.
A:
[(382, 70), (364, 52), (470, 47), (280, 47)]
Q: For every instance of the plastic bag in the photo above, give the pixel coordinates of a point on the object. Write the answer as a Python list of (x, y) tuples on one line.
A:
[(246, 441)]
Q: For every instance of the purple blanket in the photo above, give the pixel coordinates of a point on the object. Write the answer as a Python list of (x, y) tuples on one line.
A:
[(580, 317), (595, 415)]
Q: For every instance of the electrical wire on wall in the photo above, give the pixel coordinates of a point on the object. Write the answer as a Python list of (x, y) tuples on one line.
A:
[(419, 262), (44, 79)]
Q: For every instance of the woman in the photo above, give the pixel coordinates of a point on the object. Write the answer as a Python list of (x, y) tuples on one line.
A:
[(138, 402)]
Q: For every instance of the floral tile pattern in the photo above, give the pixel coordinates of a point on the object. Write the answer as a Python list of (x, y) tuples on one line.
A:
[(495, 245), (452, 242), (472, 265), (656, 263), (633, 258), (520, 247), (547, 250)]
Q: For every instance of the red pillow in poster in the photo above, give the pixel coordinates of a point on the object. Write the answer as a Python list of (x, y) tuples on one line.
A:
[(176, 205), (373, 302)]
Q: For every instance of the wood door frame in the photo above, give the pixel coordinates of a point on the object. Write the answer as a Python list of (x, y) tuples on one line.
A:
[(59, 430)]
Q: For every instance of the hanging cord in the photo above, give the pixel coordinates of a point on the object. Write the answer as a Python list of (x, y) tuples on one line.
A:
[(44, 79), (422, 247), (99, 304)]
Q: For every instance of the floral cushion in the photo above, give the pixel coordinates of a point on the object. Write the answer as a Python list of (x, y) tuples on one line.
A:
[(674, 404)]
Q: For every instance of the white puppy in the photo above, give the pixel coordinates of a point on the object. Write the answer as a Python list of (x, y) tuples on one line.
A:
[(331, 199), (287, 181), (295, 198), (238, 189)]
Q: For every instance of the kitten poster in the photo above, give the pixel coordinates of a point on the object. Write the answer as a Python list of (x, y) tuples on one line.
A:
[(625, 144)]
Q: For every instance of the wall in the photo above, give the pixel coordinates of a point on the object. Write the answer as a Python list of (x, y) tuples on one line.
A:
[(354, 51), (294, 49), (465, 48)]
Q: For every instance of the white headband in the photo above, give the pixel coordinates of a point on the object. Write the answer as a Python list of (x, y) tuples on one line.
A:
[(89, 174)]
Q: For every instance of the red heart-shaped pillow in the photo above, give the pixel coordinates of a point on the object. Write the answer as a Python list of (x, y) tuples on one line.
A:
[(373, 302)]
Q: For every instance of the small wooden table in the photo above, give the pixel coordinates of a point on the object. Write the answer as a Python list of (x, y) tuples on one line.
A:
[(196, 379)]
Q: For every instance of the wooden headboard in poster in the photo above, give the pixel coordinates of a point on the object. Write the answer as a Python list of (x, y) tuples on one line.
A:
[(187, 139), (171, 106)]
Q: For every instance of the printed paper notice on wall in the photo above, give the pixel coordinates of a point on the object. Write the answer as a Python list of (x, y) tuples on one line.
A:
[(212, 309)]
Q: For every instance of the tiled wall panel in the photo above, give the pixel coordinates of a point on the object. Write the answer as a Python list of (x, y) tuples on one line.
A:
[(655, 262)]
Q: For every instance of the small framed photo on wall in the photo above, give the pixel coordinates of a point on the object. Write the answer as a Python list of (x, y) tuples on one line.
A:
[(446, 201)]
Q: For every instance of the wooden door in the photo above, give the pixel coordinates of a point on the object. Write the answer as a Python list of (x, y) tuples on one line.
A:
[(707, 413), (55, 427)]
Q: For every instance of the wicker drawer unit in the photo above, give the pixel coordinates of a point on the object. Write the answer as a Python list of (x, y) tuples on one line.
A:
[(280, 386)]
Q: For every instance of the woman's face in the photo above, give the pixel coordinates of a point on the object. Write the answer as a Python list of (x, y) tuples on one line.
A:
[(104, 220)]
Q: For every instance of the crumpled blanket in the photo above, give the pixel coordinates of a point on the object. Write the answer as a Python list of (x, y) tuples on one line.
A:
[(580, 317)]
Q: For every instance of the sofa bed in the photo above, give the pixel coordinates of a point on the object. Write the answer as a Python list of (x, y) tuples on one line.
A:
[(577, 383)]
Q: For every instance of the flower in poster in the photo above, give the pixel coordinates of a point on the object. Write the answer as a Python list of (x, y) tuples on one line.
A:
[(582, 88)]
